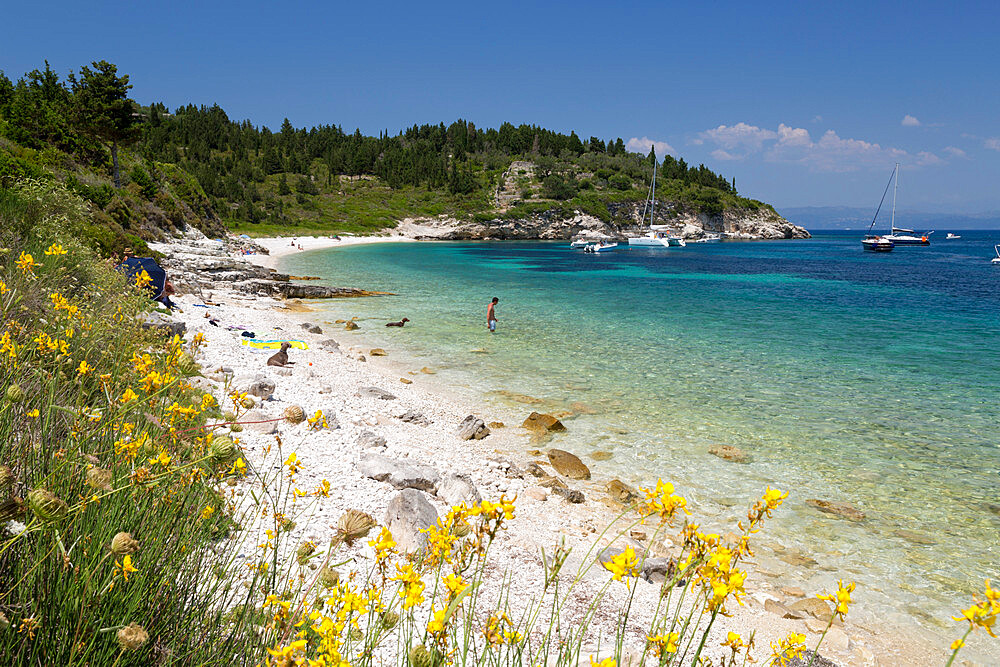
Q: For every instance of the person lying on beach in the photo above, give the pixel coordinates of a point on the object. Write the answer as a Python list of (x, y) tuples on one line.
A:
[(280, 358)]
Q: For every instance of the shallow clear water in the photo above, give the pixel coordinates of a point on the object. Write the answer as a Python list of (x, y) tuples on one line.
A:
[(849, 376)]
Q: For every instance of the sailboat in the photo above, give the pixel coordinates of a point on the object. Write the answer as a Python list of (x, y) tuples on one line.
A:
[(898, 235), (653, 238), (874, 242), (996, 260)]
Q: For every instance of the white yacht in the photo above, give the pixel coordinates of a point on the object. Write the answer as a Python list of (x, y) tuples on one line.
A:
[(952, 236), (579, 243), (996, 260), (654, 238), (601, 246), (898, 235)]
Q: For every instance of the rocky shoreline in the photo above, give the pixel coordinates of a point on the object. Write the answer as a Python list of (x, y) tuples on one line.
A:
[(403, 449)]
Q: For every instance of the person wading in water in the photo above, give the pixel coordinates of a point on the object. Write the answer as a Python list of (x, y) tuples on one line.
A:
[(491, 315)]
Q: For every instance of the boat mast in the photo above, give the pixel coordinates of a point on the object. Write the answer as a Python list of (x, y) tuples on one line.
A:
[(894, 188), (653, 191)]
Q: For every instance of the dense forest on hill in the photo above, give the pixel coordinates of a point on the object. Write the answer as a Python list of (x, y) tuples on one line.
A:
[(147, 169)]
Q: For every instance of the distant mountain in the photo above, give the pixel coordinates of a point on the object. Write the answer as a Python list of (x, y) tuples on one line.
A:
[(846, 217)]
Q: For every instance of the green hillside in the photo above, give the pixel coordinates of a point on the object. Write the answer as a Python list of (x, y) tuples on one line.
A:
[(196, 166)]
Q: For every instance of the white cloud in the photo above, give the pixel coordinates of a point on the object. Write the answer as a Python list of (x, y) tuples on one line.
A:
[(830, 152), (637, 145), (954, 151), (817, 119), (910, 121), (741, 135), (720, 154), (993, 143)]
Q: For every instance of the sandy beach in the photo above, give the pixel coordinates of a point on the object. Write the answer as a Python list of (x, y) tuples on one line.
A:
[(370, 398), (282, 246)]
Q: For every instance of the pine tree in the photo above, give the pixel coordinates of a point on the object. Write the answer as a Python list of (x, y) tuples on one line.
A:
[(105, 112)]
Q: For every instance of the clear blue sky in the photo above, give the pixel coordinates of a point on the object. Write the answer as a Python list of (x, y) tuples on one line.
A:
[(804, 103)]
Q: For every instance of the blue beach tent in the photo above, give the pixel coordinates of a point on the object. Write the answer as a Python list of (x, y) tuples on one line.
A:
[(133, 266)]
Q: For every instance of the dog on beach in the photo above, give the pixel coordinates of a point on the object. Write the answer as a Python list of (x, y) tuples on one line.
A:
[(280, 358), (398, 324)]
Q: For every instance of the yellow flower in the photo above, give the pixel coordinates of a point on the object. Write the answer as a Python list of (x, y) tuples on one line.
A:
[(841, 599), (664, 643), (162, 458), (29, 625), (33, 414), (84, 368), (789, 648), (607, 662), (125, 567), (239, 467), (412, 587), (455, 585), (129, 396), (383, 545), (142, 279), (323, 489), (26, 262), (661, 501), (957, 644), (207, 513), (293, 463), (3, 288), (734, 641), (436, 624), (55, 249), (624, 564)]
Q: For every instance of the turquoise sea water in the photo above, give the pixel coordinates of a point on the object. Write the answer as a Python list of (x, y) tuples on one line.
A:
[(873, 379)]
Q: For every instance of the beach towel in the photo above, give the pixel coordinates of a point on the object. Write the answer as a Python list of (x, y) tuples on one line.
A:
[(272, 344)]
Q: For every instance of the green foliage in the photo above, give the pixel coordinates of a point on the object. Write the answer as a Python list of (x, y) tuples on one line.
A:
[(141, 177)]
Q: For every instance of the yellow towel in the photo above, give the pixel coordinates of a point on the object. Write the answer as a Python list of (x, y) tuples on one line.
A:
[(272, 344)]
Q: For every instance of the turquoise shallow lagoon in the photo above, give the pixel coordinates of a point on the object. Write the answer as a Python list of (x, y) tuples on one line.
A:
[(873, 379)]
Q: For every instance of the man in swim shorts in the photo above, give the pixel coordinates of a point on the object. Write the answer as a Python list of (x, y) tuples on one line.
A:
[(491, 315)]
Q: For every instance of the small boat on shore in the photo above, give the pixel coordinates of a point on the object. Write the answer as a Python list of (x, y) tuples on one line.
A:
[(600, 246), (996, 260), (952, 236)]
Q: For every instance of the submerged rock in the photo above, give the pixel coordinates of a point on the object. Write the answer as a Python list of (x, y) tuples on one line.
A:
[(350, 326), (730, 453), (837, 508), (568, 464), (542, 423), (408, 514), (621, 492)]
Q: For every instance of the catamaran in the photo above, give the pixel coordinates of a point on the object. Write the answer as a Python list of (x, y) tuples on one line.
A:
[(653, 238), (898, 235)]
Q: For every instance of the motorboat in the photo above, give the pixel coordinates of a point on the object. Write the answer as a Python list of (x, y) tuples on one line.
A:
[(600, 246), (996, 260), (952, 236), (580, 244), (707, 238), (874, 243)]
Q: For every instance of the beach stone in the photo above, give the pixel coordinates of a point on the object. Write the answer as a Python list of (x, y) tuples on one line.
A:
[(600, 456), (312, 328), (536, 470), (330, 344), (326, 389), (414, 417), (621, 492), (810, 658), (568, 464), (995, 509), (375, 392), (793, 591), (406, 380), (551, 482), (638, 535), (730, 453), (472, 428), (339, 321), (837, 640), (259, 385), (574, 496), (837, 508), (165, 324), (369, 440), (400, 474), (456, 489), (427, 371), (377, 352), (796, 559), (655, 570), (542, 423), (408, 514), (284, 372), (536, 493), (496, 425), (350, 326), (814, 607), (781, 610), (916, 538), (267, 428)]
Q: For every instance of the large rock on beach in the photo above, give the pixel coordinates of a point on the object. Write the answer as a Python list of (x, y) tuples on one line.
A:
[(472, 428), (369, 440), (568, 464), (408, 514), (259, 422), (574, 496), (330, 345), (837, 508), (457, 489), (165, 324), (542, 423), (400, 474), (731, 454), (621, 493), (814, 607), (414, 417), (293, 291), (375, 392), (260, 386)]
